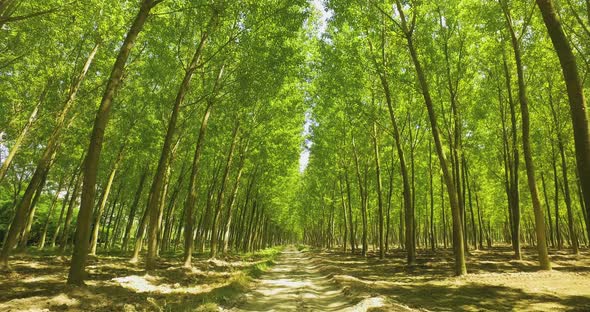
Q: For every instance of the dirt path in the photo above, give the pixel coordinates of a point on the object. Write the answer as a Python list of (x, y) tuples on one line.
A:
[(294, 283)]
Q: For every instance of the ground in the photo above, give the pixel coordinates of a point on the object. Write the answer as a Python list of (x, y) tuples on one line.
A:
[(303, 280)]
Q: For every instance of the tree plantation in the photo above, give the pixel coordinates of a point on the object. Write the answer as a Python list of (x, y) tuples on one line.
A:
[(294, 155)]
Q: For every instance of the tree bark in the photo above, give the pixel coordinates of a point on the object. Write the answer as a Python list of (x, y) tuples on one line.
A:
[(133, 208), (76, 273), (157, 184), (544, 262), (219, 205), (407, 192), (458, 244), (575, 94), (192, 187), (379, 192), (23, 133), (103, 201)]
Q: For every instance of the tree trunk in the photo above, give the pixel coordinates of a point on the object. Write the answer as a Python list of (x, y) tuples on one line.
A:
[(133, 208), (219, 205), (549, 221), (73, 181), (192, 187), (139, 235), (379, 192), (231, 202), (556, 199), (50, 213), (458, 245), (407, 192), (103, 201), (363, 194), (19, 140), (24, 237), (69, 214), (513, 171), (344, 220), (575, 95), (156, 188), (76, 273), (544, 262)]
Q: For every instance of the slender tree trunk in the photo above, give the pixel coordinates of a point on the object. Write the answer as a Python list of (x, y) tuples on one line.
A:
[(133, 208), (156, 188), (566, 189), (458, 245), (23, 133), (69, 193), (219, 205), (575, 93), (344, 220), (139, 235), (549, 221), (407, 192), (556, 199), (192, 187), (108, 226), (69, 214), (513, 166), (230, 205), (479, 217), (442, 208), (363, 194), (350, 221), (431, 191), (468, 184), (24, 237), (379, 192), (544, 261), (103, 201), (76, 274), (50, 213)]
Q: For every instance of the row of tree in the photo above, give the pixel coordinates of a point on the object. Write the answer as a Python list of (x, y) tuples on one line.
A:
[(195, 140), (458, 112)]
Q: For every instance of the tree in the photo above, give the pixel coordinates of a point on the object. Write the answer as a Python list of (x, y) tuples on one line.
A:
[(77, 268)]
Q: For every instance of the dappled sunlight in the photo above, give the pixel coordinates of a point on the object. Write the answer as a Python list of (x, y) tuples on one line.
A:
[(113, 284), (295, 283), (494, 283), (40, 303)]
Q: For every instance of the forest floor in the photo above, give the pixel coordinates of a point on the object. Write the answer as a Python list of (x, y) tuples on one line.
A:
[(303, 280), (36, 282), (496, 282)]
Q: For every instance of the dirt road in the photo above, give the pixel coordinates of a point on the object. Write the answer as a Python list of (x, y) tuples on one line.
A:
[(295, 284)]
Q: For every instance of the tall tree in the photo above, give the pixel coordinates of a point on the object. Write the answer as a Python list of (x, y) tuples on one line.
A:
[(78, 264)]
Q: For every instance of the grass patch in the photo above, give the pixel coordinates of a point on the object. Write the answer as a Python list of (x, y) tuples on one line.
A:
[(302, 248), (238, 284)]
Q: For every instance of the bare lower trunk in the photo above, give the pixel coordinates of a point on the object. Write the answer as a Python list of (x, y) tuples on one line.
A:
[(76, 273), (219, 206), (133, 209), (575, 94), (544, 262), (157, 184), (192, 189), (458, 244)]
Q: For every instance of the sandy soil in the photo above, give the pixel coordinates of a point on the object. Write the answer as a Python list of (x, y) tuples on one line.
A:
[(319, 280), (495, 282), (37, 283), (294, 283)]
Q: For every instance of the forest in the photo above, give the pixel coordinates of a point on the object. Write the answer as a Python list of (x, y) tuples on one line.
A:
[(294, 155)]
